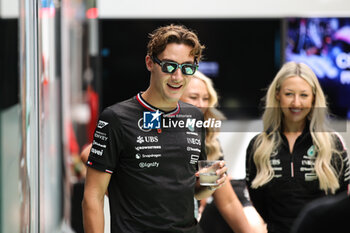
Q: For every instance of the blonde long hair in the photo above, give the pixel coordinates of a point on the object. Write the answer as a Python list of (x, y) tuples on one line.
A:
[(269, 140), (212, 144)]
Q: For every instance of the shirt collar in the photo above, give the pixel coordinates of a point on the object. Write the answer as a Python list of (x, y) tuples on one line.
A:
[(149, 107)]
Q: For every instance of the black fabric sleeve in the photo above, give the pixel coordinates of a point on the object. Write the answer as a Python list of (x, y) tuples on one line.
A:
[(342, 165), (107, 143), (256, 195), (250, 166), (307, 219), (327, 214)]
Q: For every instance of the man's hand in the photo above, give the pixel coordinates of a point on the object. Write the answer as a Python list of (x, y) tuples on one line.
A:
[(206, 191), (221, 172)]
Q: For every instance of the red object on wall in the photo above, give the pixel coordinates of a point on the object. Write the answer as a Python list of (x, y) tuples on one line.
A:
[(92, 100)]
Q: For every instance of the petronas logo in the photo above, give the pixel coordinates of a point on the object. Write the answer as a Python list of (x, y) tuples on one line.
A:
[(311, 151)]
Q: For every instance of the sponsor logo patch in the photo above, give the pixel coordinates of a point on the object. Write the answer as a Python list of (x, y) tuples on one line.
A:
[(101, 124)]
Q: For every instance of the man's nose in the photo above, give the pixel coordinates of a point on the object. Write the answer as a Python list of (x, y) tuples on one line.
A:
[(177, 75)]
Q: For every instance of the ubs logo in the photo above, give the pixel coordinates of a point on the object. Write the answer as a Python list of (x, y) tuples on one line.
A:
[(149, 139)]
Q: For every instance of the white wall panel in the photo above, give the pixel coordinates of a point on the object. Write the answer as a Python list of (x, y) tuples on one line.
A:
[(9, 8), (221, 8)]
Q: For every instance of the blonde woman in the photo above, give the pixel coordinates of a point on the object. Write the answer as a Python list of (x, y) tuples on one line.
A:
[(201, 93), (297, 158)]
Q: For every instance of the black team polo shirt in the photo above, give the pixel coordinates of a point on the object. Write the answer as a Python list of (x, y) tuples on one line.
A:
[(153, 170)]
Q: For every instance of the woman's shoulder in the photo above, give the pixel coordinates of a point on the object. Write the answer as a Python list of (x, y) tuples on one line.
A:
[(251, 144), (339, 141), (254, 138)]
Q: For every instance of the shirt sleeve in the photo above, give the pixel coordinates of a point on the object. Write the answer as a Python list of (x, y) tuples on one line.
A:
[(106, 144), (342, 164), (256, 195), (250, 166), (322, 214)]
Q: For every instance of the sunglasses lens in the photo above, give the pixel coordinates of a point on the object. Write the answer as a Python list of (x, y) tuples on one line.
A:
[(188, 69), (169, 67)]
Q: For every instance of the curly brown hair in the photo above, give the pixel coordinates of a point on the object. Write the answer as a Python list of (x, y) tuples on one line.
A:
[(165, 35)]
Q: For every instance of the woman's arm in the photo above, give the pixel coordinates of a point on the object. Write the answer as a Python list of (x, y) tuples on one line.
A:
[(231, 209)]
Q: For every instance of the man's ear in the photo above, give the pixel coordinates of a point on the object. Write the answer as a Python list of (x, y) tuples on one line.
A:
[(149, 63)]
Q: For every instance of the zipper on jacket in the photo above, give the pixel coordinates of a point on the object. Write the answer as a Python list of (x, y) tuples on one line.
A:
[(292, 164)]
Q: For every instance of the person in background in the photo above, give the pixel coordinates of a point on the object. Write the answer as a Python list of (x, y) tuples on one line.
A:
[(201, 93), (324, 215), (297, 158), (148, 172)]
